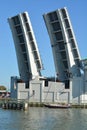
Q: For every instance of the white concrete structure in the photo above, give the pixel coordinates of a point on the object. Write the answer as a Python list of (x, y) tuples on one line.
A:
[(28, 56), (49, 91), (63, 43), (84, 61), (72, 87), (40, 90)]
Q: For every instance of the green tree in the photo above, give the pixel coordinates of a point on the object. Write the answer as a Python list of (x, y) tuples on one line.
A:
[(2, 87)]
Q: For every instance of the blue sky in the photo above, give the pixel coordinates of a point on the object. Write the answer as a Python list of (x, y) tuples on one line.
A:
[(36, 8)]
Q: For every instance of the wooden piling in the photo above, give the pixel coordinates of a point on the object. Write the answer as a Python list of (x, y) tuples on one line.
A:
[(15, 105), (25, 106)]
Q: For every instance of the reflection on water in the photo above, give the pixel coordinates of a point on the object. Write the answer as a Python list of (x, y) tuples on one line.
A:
[(44, 119)]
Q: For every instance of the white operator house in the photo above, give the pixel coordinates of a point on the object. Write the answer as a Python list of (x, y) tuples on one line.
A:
[(70, 84)]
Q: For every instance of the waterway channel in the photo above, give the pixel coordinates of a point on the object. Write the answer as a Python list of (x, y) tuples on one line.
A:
[(43, 119)]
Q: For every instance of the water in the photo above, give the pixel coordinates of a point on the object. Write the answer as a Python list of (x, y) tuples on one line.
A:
[(43, 119)]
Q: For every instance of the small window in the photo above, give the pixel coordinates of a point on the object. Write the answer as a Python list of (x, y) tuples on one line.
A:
[(32, 45), (63, 55), (61, 45), (67, 25), (27, 85), (25, 56), (56, 26), (59, 36), (25, 17), (35, 54), (65, 64), (64, 13), (27, 27), (46, 83), (16, 20), (72, 43), (67, 86), (30, 36), (23, 47), (69, 32), (75, 53), (53, 16), (38, 64), (18, 29), (21, 39)]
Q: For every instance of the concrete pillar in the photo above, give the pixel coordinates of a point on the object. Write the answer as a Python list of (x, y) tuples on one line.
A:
[(25, 106)]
